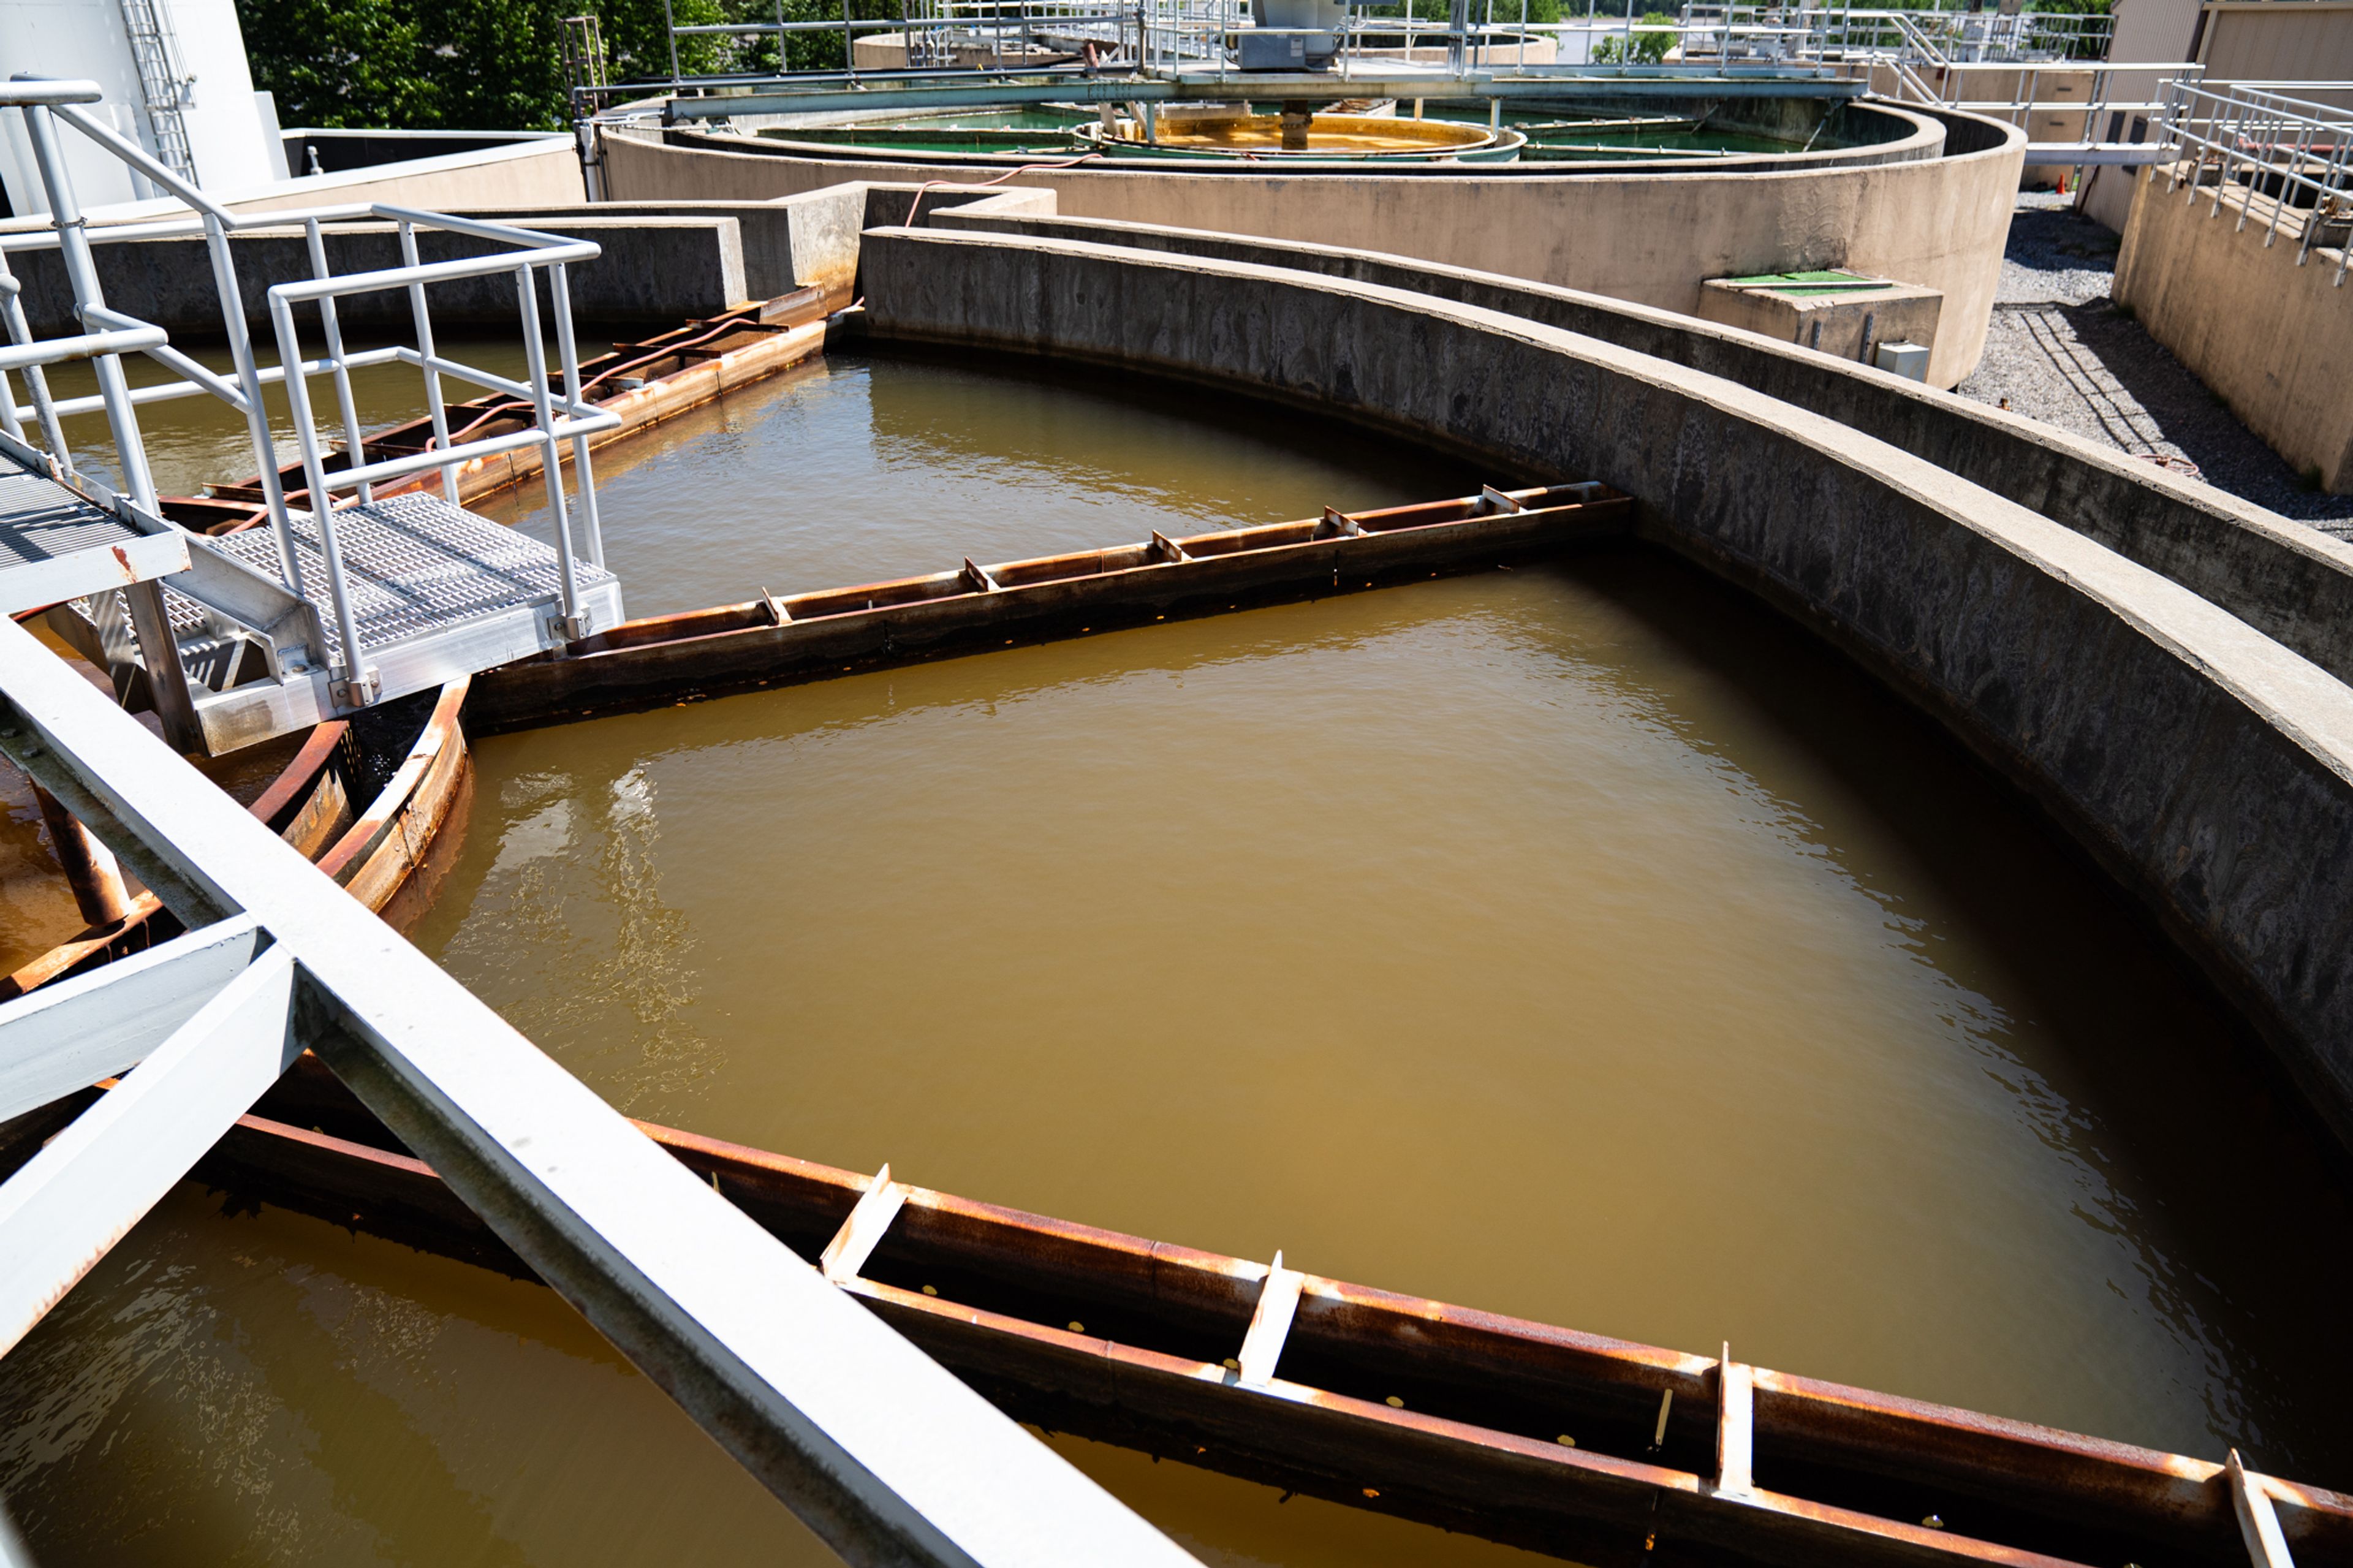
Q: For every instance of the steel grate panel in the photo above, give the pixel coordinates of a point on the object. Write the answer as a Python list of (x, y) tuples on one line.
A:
[(40, 520), (414, 564)]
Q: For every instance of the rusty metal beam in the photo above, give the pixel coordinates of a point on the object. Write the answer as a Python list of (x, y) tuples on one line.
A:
[(766, 640), (1473, 1443)]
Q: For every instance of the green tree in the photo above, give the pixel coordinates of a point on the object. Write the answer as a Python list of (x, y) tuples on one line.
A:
[(1650, 42), (340, 63), (498, 65)]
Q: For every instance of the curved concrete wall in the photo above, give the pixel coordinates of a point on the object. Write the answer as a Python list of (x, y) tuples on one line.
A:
[(2288, 580), (2210, 768), (1652, 238)]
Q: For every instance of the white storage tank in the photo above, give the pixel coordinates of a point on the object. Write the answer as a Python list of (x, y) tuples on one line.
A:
[(176, 80)]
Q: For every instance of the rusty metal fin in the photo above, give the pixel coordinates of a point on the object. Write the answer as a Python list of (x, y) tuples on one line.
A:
[(1337, 523), (1491, 500), (1168, 549), (977, 576)]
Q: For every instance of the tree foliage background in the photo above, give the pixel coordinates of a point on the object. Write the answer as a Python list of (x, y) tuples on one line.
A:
[(494, 65), (498, 65)]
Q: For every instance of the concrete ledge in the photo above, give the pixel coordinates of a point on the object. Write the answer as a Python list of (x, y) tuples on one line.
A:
[(2288, 581), (2209, 767)]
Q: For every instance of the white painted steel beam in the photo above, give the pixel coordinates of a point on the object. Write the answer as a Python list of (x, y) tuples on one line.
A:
[(69, 1035), (878, 1448), (1736, 1424), (76, 1198), (2070, 154), (1278, 1304), (863, 1232)]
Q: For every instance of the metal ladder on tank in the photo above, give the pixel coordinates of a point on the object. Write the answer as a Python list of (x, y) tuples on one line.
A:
[(164, 85)]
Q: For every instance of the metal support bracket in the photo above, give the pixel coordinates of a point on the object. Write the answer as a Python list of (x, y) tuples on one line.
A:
[(1735, 1438), (360, 693), (1278, 1304), (2259, 1523), (978, 576), (1339, 524), (1168, 549), (863, 1232)]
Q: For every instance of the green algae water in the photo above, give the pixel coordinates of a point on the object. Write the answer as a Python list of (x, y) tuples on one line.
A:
[(1578, 942)]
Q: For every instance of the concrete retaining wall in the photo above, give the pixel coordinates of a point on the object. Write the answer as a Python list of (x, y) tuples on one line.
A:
[(1649, 236), (2288, 581), (654, 269), (2210, 768), (2271, 339)]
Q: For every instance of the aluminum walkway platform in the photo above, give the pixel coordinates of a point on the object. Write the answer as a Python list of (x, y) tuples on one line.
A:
[(435, 593), (56, 545)]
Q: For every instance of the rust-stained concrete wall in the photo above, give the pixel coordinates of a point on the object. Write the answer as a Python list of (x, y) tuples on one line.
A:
[(2209, 767), (2288, 580), (1653, 237), (2271, 339)]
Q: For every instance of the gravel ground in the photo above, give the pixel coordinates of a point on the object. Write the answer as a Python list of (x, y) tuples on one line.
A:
[(2060, 352)]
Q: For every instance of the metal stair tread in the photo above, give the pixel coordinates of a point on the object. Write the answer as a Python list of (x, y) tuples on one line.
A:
[(415, 564)]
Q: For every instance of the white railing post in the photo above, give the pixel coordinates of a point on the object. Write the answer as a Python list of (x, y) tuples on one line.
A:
[(423, 322), (357, 690), (535, 359), (81, 273), (592, 527), (354, 449), (45, 410), (257, 414)]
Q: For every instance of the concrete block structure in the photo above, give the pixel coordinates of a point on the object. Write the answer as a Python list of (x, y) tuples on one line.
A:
[(1833, 311)]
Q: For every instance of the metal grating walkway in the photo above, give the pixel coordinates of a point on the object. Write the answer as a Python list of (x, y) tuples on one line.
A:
[(415, 565), (41, 521), (56, 545)]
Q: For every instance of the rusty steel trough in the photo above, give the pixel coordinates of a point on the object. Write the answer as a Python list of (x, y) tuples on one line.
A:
[(764, 641), (1141, 1344)]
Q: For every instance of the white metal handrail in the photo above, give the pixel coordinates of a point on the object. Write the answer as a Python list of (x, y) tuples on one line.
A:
[(2273, 144), (558, 421)]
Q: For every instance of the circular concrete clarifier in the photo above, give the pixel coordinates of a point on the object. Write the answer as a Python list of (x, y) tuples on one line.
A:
[(1578, 942)]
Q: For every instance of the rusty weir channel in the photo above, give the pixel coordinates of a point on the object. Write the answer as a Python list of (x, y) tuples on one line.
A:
[(1292, 861)]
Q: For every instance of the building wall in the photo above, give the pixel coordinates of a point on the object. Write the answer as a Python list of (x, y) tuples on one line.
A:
[(85, 38), (1940, 222), (2277, 40), (2274, 339)]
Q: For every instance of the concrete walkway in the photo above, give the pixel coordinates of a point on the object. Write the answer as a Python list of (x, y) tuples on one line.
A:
[(2060, 352)]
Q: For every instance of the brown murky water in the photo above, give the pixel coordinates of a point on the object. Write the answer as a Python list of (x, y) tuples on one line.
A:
[(1575, 942), (190, 442)]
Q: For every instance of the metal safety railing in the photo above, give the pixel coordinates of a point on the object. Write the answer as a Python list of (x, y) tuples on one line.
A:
[(887, 1456), (979, 39), (559, 421), (2289, 154)]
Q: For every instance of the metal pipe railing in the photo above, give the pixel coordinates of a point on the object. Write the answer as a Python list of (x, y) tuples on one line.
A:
[(1172, 34), (2276, 147), (558, 421)]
